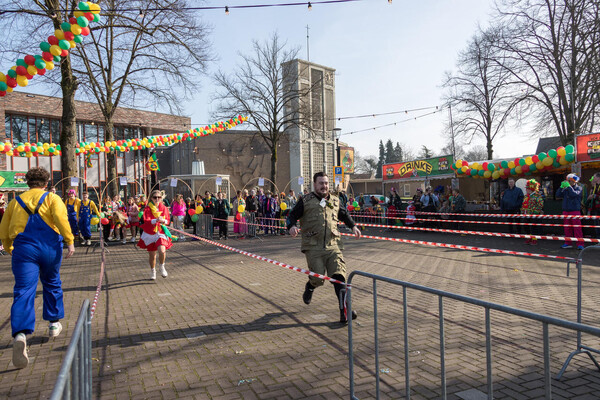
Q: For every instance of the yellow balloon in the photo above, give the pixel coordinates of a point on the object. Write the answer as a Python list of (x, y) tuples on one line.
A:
[(495, 175), (547, 161), (1, 148), (60, 35), (9, 153), (561, 152), (519, 170), (72, 43), (22, 81), (199, 210), (528, 161), (2, 77), (46, 146), (283, 206), (487, 174), (49, 65), (539, 165), (563, 161), (241, 208), (464, 169), (9, 90), (475, 166), (94, 221), (32, 70), (94, 8), (75, 29), (55, 50), (511, 164), (78, 13)]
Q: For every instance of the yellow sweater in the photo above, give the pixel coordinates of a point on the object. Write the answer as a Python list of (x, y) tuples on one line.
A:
[(74, 202), (91, 204), (53, 211)]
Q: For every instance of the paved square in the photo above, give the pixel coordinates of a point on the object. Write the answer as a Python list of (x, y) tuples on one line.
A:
[(226, 326)]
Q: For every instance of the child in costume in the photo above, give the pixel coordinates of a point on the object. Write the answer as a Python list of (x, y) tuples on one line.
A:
[(533, 204), (86, 209), (155, 236), (73, 204), (410, 214), (118, 222)]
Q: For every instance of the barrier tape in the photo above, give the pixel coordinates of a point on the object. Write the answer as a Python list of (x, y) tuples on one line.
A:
[(99, 287), (486, 222), (256, 256), (481, 233), (542, 216), (462, 247)]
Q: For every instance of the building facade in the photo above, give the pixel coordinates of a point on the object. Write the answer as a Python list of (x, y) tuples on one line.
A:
[(36, 118)]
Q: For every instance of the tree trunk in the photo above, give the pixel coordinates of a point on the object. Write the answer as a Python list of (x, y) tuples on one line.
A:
[(273, 167), (111, 158), (68, 132), (490, 150)]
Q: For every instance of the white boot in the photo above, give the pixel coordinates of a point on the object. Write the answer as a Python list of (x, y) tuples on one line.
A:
[(163, 271), (153, 274)]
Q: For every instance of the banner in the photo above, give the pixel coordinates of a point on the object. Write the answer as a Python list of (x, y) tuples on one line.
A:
[(588, 147), (13, 180), (418, 168), (347, 159)]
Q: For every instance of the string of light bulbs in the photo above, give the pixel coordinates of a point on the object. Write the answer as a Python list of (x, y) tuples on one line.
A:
[(394, 123), (227, 8)]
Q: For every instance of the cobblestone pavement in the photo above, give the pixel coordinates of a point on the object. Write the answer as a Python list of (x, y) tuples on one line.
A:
[(226, 326)]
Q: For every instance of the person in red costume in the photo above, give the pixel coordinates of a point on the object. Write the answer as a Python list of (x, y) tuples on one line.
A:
[(154, 239)]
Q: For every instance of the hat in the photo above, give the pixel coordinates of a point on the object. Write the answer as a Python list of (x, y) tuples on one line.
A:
[(533, 185), (574, 177), (72, 191)]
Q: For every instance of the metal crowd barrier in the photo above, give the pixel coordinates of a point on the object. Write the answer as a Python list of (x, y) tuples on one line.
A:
[(251, 221), (545, 320), (74, 379), (204, 226)]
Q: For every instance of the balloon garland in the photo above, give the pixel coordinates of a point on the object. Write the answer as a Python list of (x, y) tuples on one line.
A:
[(85, 148), (67, 37), (555, 158)]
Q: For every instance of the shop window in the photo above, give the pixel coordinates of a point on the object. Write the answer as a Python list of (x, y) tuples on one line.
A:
[(44, 131), (55, 130), (19, 129), (90, 133), (32, 130)]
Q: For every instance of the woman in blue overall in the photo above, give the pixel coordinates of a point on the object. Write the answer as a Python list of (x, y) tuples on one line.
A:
[(73, 204), (86, 208), (31, 231)]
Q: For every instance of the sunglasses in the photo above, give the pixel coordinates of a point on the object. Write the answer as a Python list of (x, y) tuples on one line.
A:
[(157, 197)]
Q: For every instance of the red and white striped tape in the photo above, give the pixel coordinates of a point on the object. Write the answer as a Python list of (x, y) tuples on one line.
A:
[(99, 287), (256, 256), (542, 216), (462, 247), (481, 233)]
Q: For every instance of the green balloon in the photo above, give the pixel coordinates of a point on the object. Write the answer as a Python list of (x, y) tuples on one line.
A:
[(83, 6), (552, 153), (21, 63), (532, 168), (195, 218), (355, 204), (542, 155), (3, 87), (102, 215), (64, 44), (82, 21), (570, 149), (570, 157), (65, 26), (12, 73), (141, 214), (45, 46), (40, 64), (78, 39)]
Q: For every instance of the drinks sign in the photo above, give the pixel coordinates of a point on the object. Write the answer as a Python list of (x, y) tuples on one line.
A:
[(418, 168)]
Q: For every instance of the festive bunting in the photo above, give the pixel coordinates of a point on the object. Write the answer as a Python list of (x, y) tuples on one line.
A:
[(57, 47), (123, 146), (555, 158)]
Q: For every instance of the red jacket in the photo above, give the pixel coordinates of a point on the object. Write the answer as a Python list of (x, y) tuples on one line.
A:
[(148, 226)]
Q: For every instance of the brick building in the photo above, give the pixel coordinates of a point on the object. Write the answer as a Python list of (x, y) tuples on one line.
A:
[(35, 118)]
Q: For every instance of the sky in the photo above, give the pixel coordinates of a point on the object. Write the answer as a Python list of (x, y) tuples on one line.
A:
[(387, 57)]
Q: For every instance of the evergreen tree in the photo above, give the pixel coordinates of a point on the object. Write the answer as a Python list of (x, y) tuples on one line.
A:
[(381, 160), (398, 156), (389, 152)]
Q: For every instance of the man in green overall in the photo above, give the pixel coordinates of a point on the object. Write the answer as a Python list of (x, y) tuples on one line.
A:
[(319, 213)]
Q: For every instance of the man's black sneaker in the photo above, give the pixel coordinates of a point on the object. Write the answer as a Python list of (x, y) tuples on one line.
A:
[(308, 292), (343, 318)]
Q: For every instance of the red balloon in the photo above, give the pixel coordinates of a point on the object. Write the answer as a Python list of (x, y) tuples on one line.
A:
[(47, 56), (525, 168), (28, 76), (72, 20), (64, 53), (29, 59), (85, 31), (535, 159), (53, 40), (89, 16), (69, 36), (41, 72), (191, 211), (21, 70), (11, 82), (350, 207), (485, 165), (104, 221)]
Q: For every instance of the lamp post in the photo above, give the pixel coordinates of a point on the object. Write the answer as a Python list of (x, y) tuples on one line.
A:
[(337, 132)]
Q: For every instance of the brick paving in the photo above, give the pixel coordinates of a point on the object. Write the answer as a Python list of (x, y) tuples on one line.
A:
[(226, 326)]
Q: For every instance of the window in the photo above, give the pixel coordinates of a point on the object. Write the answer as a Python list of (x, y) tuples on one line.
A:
[(32, 130), (19, 129), (406, 189), (128, 133), (101, 133), (90, 133), (44, 131), (55, 130), (7, 126), (316, 78)]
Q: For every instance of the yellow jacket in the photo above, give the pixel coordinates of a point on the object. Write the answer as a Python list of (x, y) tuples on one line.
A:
[(74, 202), (53, 211)]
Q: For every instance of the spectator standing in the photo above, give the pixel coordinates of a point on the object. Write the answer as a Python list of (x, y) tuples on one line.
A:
[(222, 209), (252, 207), (133, 216), (458, 205), (394, 207), (240, 225), (270, 208), (292, 200), (593, 202), (417, 200), (533, 204), (571, 193), (510, 203), (178, 211), (430, 203), (32, 231)]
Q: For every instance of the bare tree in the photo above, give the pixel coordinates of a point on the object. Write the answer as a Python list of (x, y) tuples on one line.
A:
[(476, 153), (426, 152), (264, 87), (150, 57), (479, 94), (40, 19), (365, 165), (552, 51)]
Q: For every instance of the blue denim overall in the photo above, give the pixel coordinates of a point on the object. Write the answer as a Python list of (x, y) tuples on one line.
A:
[(37, 254), (72, 215), (85, 217)]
